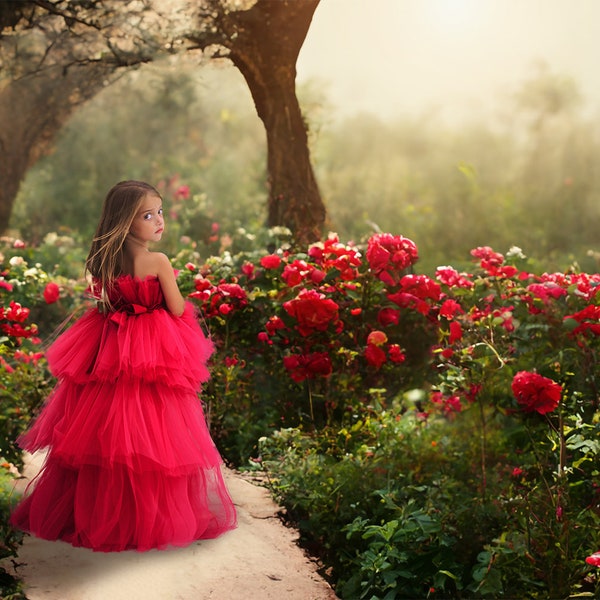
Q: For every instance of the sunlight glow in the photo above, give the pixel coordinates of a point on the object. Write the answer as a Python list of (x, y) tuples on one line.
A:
[(453, 15)]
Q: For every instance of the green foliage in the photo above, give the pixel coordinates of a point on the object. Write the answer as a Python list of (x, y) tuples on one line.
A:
[(371, 449), (24, 379), (382, 405), (186, 126), (27, 315), (10, 539), (448, 188)]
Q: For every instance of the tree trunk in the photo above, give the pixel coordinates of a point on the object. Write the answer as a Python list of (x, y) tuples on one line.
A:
[(32, 112), (265, 50)]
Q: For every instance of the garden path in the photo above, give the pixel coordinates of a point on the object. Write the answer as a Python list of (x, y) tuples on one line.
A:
[(259, 560)]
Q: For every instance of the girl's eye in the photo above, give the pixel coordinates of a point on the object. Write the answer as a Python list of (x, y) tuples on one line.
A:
[(160, 211), (147, 216)]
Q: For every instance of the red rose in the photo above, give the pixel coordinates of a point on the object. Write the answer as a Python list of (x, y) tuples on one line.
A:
[(488, 257), (388, 254), (15, 312), (225, 309), (201, 284), (231, 361), (295, 273), (593, 559), (395, 353), (588, 319), (232, 290), (248, 269), (546, 290), (452, 278), (535, 392), (449, 404), (312, 310), (421, 286), (456, 332), (182, 192), (388, 316), (449, 308), (51, 293), (271, 261), (375, 356), (274, 324), (308, 366), (316, 276)]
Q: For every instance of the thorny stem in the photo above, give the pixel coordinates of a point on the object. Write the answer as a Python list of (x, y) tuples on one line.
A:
[(310, 402), (483, 451), (495, 352)]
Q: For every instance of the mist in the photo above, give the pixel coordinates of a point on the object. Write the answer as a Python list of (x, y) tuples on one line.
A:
[(452, 58)]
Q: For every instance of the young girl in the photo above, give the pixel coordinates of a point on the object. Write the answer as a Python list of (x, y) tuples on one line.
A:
[(130, 462)]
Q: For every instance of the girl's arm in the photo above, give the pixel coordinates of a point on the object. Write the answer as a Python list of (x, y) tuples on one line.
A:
[(166, 277)]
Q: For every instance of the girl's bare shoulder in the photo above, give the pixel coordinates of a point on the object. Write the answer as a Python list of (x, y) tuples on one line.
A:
[(151, 263)]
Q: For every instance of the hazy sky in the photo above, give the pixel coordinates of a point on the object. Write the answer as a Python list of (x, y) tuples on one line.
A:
[(399, 57)]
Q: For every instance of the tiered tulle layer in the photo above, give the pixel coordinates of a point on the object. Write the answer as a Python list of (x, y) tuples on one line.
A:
[(110, 509), (131, 464), (153, 346)]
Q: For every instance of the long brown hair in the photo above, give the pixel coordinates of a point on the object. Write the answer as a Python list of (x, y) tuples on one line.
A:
[(105, 259)]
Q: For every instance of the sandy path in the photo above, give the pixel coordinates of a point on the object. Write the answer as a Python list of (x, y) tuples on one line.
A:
[(257, 561)]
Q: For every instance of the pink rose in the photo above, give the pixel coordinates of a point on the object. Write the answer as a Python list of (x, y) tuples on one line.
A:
[(377, 338)]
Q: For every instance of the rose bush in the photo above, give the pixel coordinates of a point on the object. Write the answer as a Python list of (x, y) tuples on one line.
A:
[(432, 435), (27, 290), (336, 340), (300, 343)]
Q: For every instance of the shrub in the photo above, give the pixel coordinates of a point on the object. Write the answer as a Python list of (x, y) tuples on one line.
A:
[(32, 303), (495, 368), (431, 436)]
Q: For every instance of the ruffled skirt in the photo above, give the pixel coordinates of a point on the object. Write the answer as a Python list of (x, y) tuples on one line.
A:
[(130, 462)]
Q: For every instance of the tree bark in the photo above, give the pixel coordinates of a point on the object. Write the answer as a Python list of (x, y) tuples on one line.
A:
[(32, 112), (264, 42), (55, 55)]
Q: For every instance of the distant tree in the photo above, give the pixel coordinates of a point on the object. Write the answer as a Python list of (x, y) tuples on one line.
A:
[(55, 55), (263, 40)]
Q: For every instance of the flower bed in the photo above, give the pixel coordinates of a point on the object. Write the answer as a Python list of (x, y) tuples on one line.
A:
[(432, 435)]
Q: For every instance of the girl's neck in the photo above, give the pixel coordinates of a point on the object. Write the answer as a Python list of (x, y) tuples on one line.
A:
[(136, 245)]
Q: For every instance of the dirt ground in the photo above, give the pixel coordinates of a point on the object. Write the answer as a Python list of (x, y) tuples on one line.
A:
[(259, 560)]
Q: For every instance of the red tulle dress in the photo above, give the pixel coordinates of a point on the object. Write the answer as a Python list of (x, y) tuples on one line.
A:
[(130, 463)]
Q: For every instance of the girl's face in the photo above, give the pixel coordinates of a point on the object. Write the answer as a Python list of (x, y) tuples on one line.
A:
[(148, 223)]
